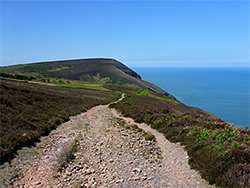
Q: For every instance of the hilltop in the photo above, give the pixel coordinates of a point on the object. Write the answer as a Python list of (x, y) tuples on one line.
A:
[(100, 70)]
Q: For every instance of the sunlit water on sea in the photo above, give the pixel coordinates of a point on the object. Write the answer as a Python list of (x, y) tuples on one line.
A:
[(223, 92)]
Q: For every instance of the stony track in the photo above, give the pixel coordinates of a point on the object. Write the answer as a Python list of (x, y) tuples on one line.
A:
[(109, 151)]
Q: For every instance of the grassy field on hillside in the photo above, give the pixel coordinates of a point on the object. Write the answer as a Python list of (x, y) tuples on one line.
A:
[(95, 70), (29, 111), (98, 70)]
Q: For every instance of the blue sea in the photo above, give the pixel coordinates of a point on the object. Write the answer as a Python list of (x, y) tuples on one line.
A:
[(223, 92)]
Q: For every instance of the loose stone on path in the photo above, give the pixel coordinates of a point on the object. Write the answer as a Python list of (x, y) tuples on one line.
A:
[(110, 152)]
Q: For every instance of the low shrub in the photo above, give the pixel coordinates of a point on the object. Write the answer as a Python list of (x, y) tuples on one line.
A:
[(150, 137), (218, 150), (28, 111)]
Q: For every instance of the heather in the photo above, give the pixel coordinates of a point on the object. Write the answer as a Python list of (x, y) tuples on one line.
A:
[(29, 111), (217, 149), (36, 98)]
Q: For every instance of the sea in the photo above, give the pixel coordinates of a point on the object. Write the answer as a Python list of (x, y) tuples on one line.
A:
[(223, 92)]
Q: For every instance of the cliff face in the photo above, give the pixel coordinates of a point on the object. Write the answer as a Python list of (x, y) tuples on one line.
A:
[(124, 68), (133, 74)]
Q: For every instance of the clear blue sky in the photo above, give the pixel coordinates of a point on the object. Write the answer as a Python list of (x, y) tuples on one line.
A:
[(138, 33)]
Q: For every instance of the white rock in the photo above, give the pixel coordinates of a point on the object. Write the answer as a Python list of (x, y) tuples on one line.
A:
[(136, 170), (144, 178)]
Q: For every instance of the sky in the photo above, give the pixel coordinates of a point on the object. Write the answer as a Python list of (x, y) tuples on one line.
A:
[(138, 33)]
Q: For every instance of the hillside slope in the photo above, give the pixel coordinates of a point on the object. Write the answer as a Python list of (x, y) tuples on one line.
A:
[(107, 71), (32, 107), (217, 149), (107, 150), (28, 111)]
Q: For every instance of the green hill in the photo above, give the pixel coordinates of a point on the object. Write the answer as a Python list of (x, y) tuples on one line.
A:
[(104, 71)]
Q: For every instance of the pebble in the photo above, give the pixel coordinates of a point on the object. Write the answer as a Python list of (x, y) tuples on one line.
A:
[(119, 181), (136, 170), (134, 178), (144, 178), (106, 155)]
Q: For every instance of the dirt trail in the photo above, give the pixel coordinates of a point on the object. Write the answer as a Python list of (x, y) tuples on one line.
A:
[(111, 152), (177, 172)]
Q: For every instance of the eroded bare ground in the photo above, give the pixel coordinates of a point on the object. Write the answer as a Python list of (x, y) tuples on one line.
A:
[(108, 150), (175, 165)]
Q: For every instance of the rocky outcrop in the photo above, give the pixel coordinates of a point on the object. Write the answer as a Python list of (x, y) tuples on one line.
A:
[(132, 73)]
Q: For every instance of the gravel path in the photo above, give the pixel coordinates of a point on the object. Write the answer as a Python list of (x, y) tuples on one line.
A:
[(109, 151), (175, 160)]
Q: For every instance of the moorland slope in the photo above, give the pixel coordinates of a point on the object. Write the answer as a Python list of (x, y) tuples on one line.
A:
[(108, 150), (217, 149)]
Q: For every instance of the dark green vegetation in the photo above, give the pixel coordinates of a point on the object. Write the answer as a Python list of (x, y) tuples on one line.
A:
[(17, 76), (31, 110), (220, 151), (102, 71), (150, 137)]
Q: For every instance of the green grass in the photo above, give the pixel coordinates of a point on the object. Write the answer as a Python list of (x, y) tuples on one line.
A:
[(58, 69), (146, 92), (168, 100), (143, 92), (11, 68), (99, 70), (81, 85), (149, 137), (57, 82)]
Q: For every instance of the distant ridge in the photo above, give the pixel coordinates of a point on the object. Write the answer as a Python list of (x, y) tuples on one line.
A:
[(105, 70)]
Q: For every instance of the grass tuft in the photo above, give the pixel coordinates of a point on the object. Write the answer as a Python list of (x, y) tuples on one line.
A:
[(149, 137), (66, 154)]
